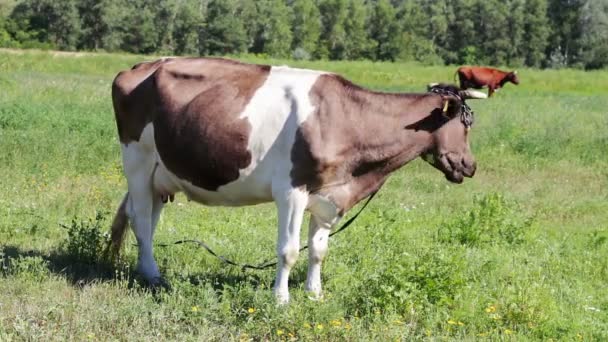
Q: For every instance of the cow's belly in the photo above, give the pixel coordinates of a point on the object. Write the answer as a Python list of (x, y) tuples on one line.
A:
[(248, 189)]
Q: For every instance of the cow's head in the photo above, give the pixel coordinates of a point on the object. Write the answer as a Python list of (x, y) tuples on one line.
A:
[(450, 151), (512, 77)]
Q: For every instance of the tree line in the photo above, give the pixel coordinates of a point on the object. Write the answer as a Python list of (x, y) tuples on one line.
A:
[(534, 33)]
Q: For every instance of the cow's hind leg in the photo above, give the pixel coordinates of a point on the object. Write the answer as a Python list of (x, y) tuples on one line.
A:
[(139, 163), (318, 239), (291, 204)]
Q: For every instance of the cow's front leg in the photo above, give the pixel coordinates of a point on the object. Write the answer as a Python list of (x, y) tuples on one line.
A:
[(291, 203), (318, 239)]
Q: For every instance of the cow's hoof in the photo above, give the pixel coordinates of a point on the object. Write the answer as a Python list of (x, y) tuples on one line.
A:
[(158, 284), (315, 296), (282, 298)]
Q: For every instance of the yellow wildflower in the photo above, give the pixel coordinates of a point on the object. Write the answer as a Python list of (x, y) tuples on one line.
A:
[(491, 309), (319, 326), (307, 326), (280, 332), (451, 322), (251, 310), (291, 335), (195, 308), (335, 323), (508, 331)]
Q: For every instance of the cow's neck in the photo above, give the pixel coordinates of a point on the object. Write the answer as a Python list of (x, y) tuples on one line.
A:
[(389, 130)]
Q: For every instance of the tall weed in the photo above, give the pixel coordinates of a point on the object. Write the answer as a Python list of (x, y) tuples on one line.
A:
[(492, 220)]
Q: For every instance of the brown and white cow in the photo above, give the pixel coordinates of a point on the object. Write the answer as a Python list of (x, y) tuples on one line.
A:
[(479, 77), (234, 134)]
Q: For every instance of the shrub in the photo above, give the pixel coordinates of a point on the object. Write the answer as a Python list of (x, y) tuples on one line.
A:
[(493, 219), (86, 240), (411, 283)]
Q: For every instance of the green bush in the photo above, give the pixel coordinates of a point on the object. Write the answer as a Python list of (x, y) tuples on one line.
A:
[(492, 220), (412, 282), (87, 240)]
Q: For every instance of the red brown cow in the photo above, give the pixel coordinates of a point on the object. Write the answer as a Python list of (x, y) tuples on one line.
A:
[(234, 134), (479, 77)]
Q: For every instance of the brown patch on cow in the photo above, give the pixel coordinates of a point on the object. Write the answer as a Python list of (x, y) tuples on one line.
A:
[(194, 104), (347, 148)]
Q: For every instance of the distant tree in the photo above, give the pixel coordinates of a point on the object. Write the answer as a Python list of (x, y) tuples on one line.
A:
[(463, 39), (565, 39), (594, 34), (519, 48), (384, 30), (536, 31), (494, 40), (333, 34), (165, 14), (436, 28), (141, 32), (187, 27), (274, 36), (249, 16), (358, 45), (306, 27), (224, 32), (53, 21)]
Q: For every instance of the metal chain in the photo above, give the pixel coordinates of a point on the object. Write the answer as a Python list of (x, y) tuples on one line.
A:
[(466, 113)]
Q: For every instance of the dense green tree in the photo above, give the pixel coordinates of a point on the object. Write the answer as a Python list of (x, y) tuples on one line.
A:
[(564, 17), (545, 33), (274, 35), (249, 16), (187, 28), (516, 20), (306, 28), (358, 45), (333, 34), (594, 34), (494, 40), (224, 32), (141, 33), (52, 21), (536, 32), (385, 31), (463, 39)]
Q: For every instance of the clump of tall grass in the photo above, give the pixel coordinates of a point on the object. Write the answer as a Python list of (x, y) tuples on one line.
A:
[(493, 219), (86, 240)]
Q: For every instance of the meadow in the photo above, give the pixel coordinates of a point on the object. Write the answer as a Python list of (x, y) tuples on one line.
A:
[(519, 252)]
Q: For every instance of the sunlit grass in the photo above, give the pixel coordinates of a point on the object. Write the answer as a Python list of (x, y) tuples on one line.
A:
[(395, 274)]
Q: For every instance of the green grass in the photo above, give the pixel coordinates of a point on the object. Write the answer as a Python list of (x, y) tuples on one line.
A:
[(519, 252)]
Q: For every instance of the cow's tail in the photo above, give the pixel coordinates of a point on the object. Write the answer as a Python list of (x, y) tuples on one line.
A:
[(118, 230)]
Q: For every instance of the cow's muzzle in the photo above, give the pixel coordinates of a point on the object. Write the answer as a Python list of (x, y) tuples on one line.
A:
[(456, 167)]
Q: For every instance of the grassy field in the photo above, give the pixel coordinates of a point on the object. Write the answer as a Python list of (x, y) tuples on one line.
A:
[(519, 252)]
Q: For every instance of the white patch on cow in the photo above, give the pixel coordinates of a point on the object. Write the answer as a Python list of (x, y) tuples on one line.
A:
[(275, 112)]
